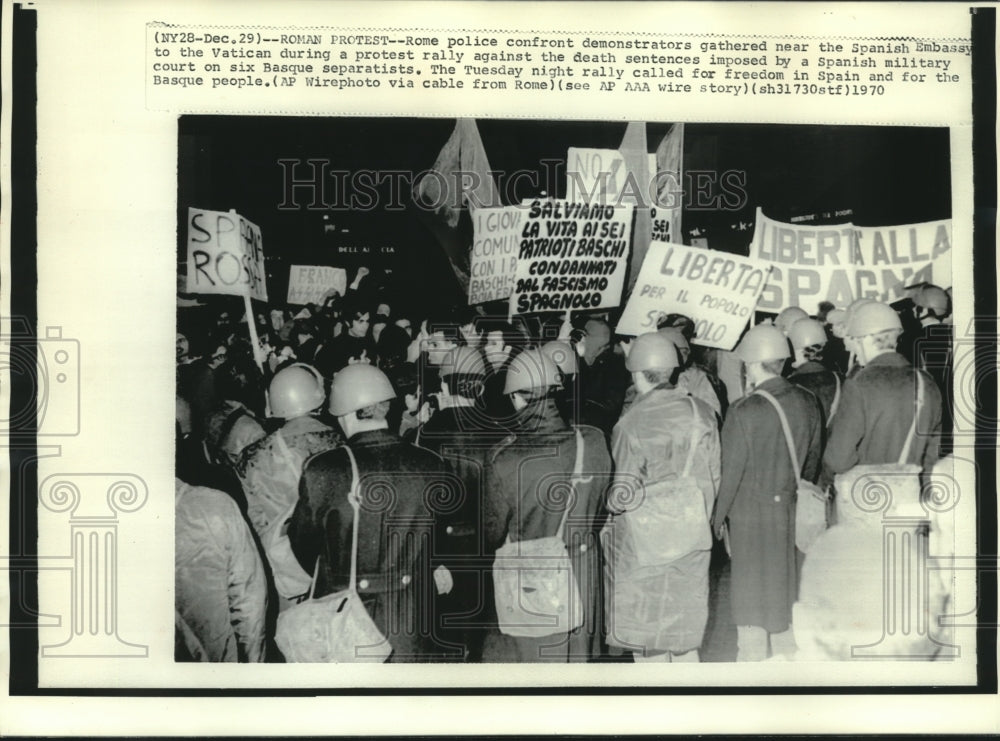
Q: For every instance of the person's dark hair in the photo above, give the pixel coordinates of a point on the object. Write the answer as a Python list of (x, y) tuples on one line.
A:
[(511, 335), (682, 322), (391, 347), (447, 323), (538, 393), (302, 326), (405, 379), (813, 352), (240, 380), (465, 315)]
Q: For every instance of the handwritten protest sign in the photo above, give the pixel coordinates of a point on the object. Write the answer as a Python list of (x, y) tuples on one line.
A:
[(493, 263), (844, 262), (599, 176), (570, 256), (899, 256), (225, 255), (309, 284), (717, 290)]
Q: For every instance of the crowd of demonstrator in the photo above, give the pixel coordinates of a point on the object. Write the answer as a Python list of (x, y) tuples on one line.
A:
[(368, 447)]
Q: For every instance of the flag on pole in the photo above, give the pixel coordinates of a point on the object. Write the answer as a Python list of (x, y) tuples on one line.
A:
[(459, 177), (669, 182), (634, 151)]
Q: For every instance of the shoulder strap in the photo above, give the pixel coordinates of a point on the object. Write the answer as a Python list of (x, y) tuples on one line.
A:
[(836, 398), (576, 478), (353, 498), (913, 425), (786, 429), (694, 437), (286, 453)]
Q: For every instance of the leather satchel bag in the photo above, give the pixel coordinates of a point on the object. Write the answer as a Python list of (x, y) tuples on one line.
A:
[(810, 500), (335, 628), (536, 593)]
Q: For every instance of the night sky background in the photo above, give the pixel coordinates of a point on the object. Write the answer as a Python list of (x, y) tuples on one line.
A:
[(885, 175)]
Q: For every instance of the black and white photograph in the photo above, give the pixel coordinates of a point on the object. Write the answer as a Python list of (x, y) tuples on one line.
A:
[(599, 368), (481, 391)]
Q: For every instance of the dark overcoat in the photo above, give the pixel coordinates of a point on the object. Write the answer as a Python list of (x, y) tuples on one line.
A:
[(822, 382), (464, 437), (525, 483), (876, 413), (757, 494), (399, 486)]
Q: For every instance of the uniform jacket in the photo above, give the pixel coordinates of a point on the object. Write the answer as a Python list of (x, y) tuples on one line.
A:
[(220, 592), (401, 487), (814, 377), (518, 504), (270, 479), (650, 444), (931, 349), (602, 389), (757, 494), (464, 438), (652, 439), (695, 381), (876, 411)]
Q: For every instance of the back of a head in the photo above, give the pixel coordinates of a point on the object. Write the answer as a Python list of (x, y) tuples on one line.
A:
[(651, 351), (598, 332), (762, 344), (684, 323), (807, 332), (358, 386), (676, 336), (872, 318), (531, 370), (392, 345), (295, 391), (787, 317), (933, 298)]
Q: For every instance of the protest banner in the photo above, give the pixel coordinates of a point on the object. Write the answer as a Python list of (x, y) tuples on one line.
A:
[(619, 176), (717, 290), (570, 256), (899, 256), (844, 262), (225, 255), (493, 263), (600, 176), (309, 284)]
